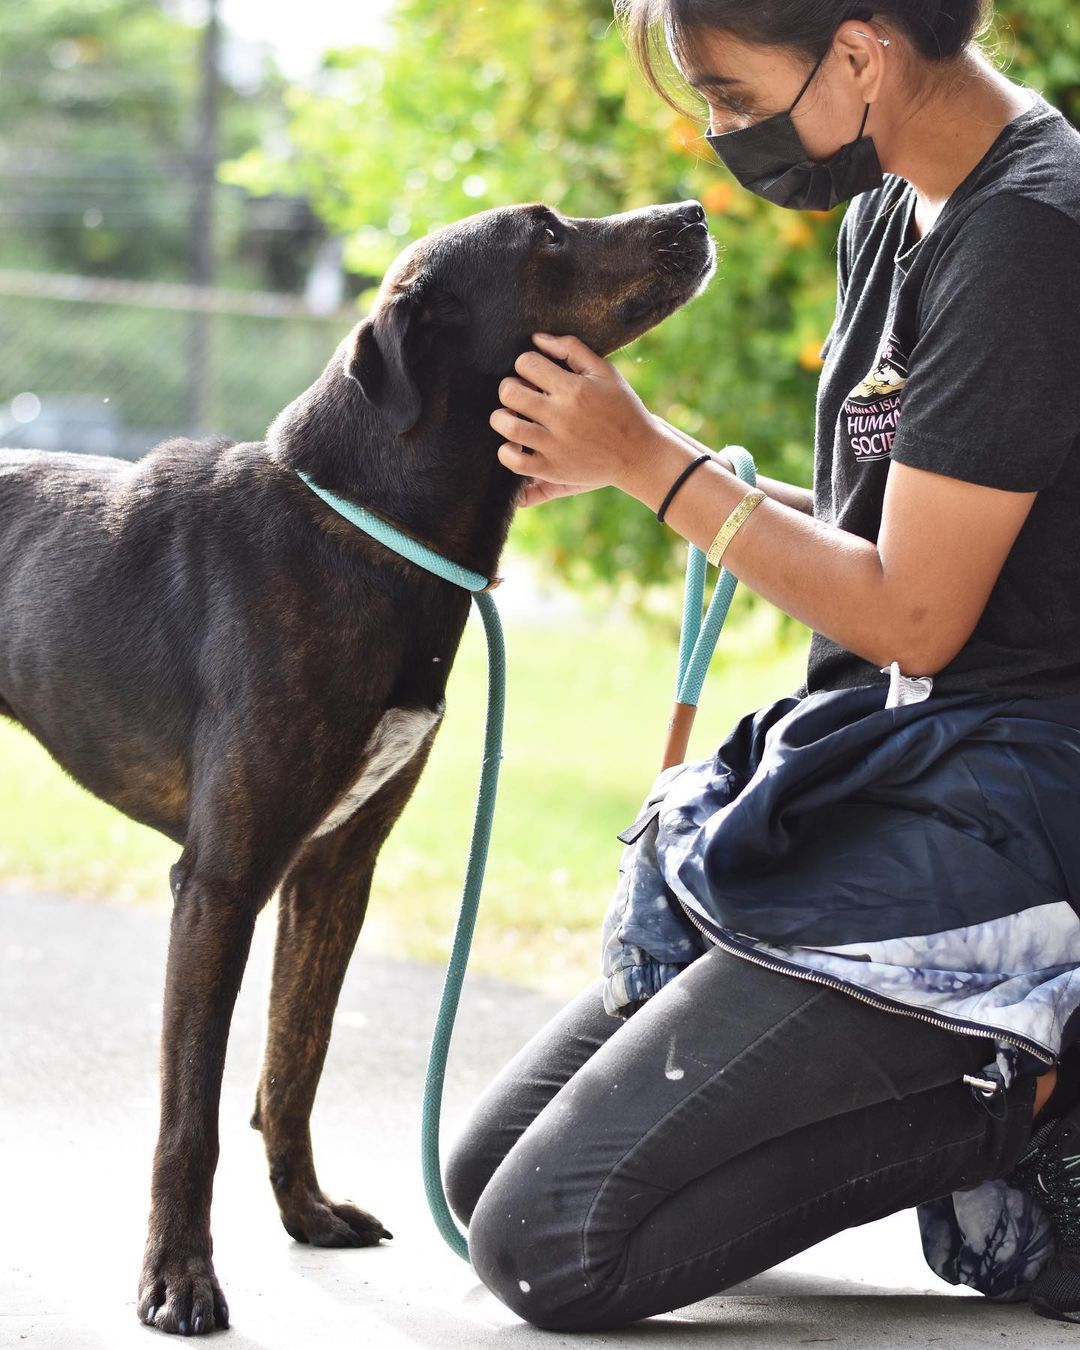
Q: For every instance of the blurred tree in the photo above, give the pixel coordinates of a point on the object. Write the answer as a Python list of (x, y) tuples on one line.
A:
[(477, 105), (1040, 46), (97, 124)]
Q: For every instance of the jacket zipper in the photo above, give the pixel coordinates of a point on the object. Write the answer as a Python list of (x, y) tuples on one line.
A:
[(816, 977)]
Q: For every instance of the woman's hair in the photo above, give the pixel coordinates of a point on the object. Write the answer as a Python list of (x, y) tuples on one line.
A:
[(658, 30)]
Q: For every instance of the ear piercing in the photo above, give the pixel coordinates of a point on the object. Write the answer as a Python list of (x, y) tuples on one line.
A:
[(884, 41)]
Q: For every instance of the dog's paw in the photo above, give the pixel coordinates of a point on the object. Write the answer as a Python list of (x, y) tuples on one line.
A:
[(182, 1297), (327, 1223)]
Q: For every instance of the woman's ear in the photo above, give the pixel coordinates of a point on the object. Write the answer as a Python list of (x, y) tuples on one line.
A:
[(385, 353)]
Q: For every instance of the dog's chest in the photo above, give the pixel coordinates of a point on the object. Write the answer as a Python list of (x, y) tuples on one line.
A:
[(392, 744)]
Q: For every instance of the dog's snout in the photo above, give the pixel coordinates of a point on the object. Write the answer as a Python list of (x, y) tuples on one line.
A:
[(686, 222), (686, 229)]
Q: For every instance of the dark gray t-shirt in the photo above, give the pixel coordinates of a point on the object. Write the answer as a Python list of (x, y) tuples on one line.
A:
[(960, 353)]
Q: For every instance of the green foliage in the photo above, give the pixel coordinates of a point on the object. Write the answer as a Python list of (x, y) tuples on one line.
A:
[(483, 105), (1038, 43), (474, 107)]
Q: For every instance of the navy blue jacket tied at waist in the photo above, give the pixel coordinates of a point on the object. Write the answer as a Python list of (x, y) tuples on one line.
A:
[(928, 854), (924, 855)]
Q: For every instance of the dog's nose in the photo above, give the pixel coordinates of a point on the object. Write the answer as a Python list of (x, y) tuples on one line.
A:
[(692, 212)]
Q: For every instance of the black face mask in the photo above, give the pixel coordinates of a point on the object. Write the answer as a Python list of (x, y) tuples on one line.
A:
[(769, 159)]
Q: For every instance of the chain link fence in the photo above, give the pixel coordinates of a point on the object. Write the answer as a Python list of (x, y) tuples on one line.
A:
[(112, 367)]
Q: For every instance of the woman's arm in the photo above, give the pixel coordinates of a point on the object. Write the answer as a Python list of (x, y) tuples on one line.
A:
[(914, 596), (802, 499), (535, 491)]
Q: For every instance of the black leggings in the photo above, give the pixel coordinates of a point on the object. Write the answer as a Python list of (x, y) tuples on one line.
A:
[(618, 1169)]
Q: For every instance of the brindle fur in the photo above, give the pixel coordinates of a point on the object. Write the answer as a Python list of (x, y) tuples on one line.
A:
[(199, 640)]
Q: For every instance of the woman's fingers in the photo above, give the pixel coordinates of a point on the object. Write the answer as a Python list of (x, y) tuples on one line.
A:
[(518, 430), (544, 374), (580, 358), (533, 491), (546, 492), (549, 377), (533, 494), (521, 397), (518, 458)]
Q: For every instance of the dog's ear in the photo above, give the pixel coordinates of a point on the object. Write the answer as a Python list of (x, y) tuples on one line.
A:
[(383, 357)]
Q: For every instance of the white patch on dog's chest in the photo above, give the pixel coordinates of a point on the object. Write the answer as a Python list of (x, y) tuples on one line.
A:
[(393, 743)]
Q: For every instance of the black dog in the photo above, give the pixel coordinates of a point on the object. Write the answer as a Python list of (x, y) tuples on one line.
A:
[(202, 642)]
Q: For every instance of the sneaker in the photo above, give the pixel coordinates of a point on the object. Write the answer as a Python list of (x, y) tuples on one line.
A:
[(1049, 1171)]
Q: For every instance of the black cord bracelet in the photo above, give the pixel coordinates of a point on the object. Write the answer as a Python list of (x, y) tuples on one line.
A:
[(679, 482)]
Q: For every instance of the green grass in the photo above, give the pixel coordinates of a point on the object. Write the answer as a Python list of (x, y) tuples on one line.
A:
[(587, 707)]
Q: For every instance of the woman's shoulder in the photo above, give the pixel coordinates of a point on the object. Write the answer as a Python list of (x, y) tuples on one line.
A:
[(1024, 191), (1018, 237), (1028, 180), (1003, 228)]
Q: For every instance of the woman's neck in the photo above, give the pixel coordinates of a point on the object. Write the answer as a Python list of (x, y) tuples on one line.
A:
[(937, 146)]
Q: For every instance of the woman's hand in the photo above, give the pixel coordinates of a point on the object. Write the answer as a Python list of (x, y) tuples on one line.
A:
[(533, 491), (585, 427)]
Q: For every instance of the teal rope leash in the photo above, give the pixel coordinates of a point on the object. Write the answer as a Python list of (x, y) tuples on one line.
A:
[(696, 645), (431, 1111), (698, 639)]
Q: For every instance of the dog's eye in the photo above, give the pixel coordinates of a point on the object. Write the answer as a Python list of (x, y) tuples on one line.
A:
[(551, 237)]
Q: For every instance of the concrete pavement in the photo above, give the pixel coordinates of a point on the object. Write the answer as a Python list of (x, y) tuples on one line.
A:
[(80, 1004)]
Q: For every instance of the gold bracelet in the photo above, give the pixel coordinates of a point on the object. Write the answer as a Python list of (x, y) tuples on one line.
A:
[(734, 520)]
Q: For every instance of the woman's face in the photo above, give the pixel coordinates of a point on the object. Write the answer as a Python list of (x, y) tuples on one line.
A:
[(744, 83)]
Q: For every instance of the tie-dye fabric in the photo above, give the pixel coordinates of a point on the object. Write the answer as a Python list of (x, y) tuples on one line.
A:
[(924, 854), (993, 1238)]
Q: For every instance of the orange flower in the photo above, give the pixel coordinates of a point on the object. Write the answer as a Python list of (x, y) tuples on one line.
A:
[(808, 355), (717, 197), (818, 215), (796, 233)]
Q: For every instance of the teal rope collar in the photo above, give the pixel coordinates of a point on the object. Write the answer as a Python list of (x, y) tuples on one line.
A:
[(696, 646), (394, 537)]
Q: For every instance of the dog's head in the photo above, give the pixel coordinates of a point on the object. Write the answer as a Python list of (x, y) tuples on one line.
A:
[(475, 291)]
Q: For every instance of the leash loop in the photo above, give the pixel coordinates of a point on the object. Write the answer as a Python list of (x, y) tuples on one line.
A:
[(697, 640)]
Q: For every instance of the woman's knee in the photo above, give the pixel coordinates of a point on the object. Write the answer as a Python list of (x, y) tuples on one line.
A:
[(520, 1091), (530, 1277), (466, 1171), (527, 1245), (488, 1134)]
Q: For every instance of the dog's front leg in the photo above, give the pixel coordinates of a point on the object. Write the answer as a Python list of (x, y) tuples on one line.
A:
[(321, 908), (209, 939)]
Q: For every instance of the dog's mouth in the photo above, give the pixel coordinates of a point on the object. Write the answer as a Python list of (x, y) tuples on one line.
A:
[(671, 289)]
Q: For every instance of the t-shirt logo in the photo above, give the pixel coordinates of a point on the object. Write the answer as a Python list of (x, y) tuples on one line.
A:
[(871, 410)]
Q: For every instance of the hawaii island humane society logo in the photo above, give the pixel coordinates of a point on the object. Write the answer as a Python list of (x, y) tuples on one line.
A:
[(871, 410)]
